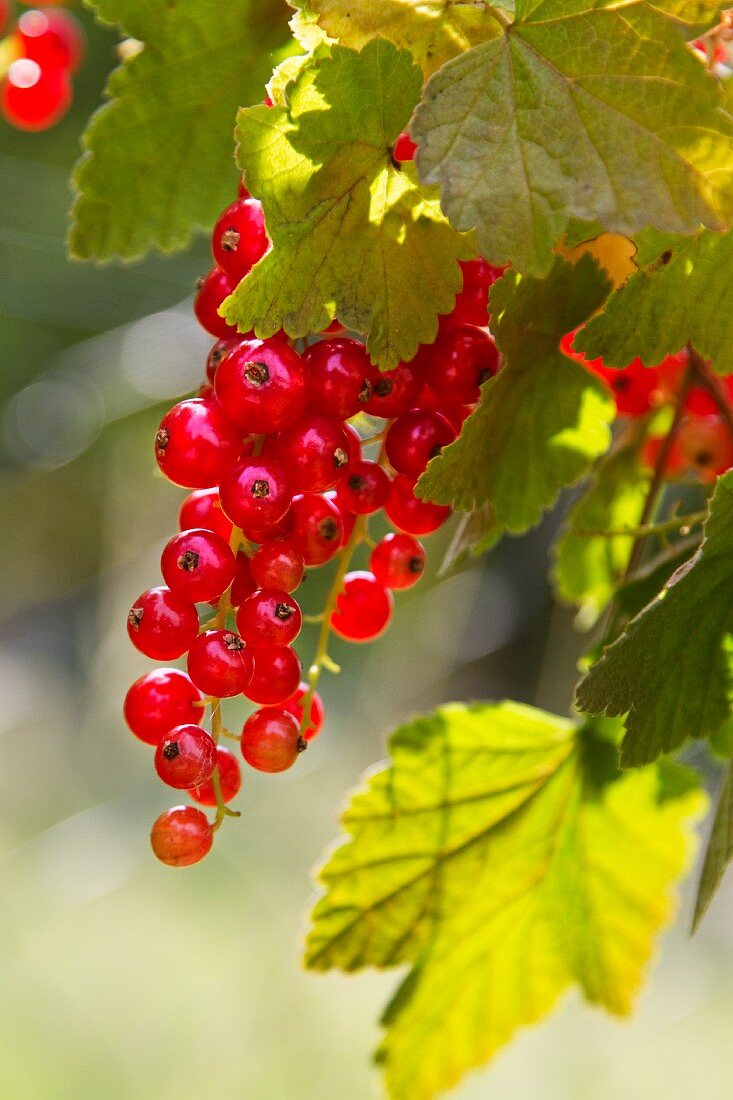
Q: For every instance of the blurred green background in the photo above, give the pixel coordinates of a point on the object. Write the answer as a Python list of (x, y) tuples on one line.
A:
[(121, 978)]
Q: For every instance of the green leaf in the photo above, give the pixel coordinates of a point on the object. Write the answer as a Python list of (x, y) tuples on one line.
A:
[(529, 130), (670, 670), (684, 296), (502, 855), (719, 851), (433, 31), (544, 418), (353, 234), (589, 563), (158, 156)]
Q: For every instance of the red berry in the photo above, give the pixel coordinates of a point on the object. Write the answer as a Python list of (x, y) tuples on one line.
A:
[(239, 239), (256, 494), (34, 97), (404, 148), (276, 674), (416, 437), (363, 608), (161, 625), (270, 740), (185, 757), (364, 489), (219, 664), (269, 616), (706, 446), (459, 361), (202, 508), (277, 565), (53, 38), (160, 700), (197, 565), (471, 307), (395, 391), (398, 561), (339, 378), (212, 290), (243, 583), (215, 356), (633, 387), (196, 444), (314, 451), (277, 530), (353, 442), (296, 707), (409, 513), (317, 530), (261, 385), (181, 836), (454, 414), (230, 780)]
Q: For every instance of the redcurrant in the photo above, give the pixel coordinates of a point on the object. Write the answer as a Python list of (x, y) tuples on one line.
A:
[(186, 757), (270, 740), (181, 836), (363, 608), (161, 625), (398, 561), (196, 444), (197, 565), (230, 780), (220, 664), (269, 616), (160, 700), (261, 385), (276, 674)]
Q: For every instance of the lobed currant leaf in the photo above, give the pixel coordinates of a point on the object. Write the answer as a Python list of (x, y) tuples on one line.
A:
[(719, 850), (588, 562), (433, 31), (600, 114), (354, 234), (503, 856), (157, 160), (544, 418), (670, 670), (682, 294)]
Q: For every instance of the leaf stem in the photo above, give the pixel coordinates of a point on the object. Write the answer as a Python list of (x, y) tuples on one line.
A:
[(676, 523)]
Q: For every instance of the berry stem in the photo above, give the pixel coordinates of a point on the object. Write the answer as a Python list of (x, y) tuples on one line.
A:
[(676, 523), (321, 658)]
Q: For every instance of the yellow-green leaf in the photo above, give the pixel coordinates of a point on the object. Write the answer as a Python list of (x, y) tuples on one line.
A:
[(433, 31), (158, 156), (578, 110), (501, 854), (354, 234)]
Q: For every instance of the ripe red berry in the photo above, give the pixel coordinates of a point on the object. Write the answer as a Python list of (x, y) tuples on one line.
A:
[(181, 836), (230, 780), (363, 608), (219, 664), (202, 508), (633, 387), (197, 565), (706, 446), (395, 391), (215, 356), (160, 700), (364, 489), (471, 307), (398, 561), (317, 530), (296, 707), (53, 38), (256, 494), (276, 674), (270, 740), (196, 444), (459, 361), (416, 437), (243, 583), (404, 148), (314, 451), (186, 757), (261, 385), (409, 513), (161, 625), (239, 239), (339, 377), (269, 616), (212, 290), (348, 519), (277, 565), (34, 97)]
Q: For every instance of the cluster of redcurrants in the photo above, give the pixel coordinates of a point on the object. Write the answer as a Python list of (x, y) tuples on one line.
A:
[(41, 52), (282, 481), (703, 445)]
